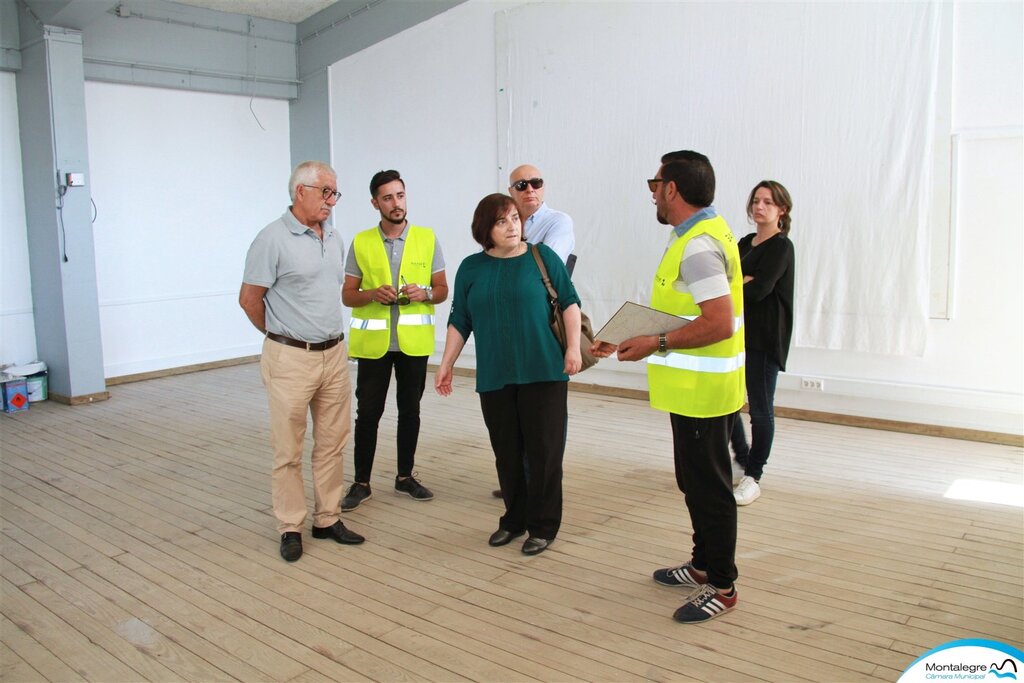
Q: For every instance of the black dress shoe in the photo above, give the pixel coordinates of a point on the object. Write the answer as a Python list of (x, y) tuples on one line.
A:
[(503, 537), (338, 532), (291, 545), (534, 545)]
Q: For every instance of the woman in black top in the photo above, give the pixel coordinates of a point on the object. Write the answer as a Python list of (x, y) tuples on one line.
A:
[(768, 264)]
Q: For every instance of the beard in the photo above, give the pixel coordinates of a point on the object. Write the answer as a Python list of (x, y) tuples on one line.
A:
[(394, 220), (661, 218)]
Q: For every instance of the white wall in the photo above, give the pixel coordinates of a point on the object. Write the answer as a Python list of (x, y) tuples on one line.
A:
[(423, 102), (17, 330), (972, 371), (182, 181)]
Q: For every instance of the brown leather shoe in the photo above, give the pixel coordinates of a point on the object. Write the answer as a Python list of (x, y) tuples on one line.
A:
[(339, 533)]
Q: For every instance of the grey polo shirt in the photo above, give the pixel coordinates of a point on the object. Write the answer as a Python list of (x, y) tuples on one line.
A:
[(303, 276), (704, 268)]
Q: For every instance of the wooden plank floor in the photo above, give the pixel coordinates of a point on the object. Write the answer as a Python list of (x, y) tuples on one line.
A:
[(138, 544)]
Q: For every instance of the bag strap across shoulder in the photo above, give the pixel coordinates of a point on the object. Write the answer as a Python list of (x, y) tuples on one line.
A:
[(552, 294), (557, 322)]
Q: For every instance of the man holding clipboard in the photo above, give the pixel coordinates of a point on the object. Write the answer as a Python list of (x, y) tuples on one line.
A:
[(634, 320), (695, 373)]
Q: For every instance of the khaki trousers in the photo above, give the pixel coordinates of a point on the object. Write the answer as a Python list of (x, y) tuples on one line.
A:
[(298, 383)]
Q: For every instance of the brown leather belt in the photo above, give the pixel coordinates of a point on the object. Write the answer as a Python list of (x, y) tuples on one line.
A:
[(309, 346)]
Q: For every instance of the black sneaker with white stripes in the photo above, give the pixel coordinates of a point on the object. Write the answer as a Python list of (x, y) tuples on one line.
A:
[(707, 603), (683, 576)]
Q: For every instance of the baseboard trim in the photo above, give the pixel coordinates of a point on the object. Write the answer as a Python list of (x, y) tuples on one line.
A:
[(82, 400), (183, 370), (961, 433)]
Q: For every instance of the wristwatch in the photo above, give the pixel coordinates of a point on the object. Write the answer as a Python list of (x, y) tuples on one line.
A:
[(430, 292), (662, 343)]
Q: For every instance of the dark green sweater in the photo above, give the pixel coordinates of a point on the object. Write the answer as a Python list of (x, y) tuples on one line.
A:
[(503, 302)]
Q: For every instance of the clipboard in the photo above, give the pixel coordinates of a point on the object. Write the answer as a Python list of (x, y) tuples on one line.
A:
[(634, 320)]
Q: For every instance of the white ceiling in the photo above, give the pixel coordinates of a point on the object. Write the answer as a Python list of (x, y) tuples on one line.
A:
[(291, 11)]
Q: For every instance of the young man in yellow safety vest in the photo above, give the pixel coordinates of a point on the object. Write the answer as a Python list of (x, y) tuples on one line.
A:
[(394, 275)]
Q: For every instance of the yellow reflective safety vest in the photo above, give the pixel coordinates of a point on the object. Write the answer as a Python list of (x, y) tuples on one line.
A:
[(370, 329), (708, 381)]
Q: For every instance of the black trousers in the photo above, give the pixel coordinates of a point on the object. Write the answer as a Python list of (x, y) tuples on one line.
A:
[(529, 419), (372, 383), (704, 475)]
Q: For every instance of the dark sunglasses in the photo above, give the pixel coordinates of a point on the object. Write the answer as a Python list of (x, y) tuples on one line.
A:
[(652, 183), (535, 183)]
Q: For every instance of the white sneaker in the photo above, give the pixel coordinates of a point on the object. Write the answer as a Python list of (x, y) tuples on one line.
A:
[(747, 491), (738, 472)]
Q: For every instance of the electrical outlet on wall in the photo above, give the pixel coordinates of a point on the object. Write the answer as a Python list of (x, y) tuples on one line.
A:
[(812, 384)]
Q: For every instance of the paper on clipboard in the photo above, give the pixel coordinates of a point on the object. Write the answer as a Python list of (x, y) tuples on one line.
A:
[(634, 320)]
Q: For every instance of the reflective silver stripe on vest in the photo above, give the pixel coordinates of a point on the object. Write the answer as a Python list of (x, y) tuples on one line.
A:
[(737, 322), (682, 361), (413, 319), (364, 324)]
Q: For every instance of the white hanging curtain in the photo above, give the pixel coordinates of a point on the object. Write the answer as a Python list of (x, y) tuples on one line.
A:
[(834, 100)]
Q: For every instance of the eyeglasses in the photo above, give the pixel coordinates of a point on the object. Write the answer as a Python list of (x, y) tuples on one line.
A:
[(652, 183), (535, 183), (325, 192)]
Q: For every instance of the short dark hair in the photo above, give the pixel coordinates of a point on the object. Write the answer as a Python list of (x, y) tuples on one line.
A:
[(692, 174), (383, 178), (486, 215), (780, 195)]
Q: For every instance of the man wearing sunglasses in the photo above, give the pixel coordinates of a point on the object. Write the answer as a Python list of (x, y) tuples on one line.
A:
[(695, 373), (541, 225), (394, 275), (293, 271)]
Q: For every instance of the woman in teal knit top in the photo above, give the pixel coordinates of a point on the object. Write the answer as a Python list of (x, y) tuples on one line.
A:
[(522, 373)]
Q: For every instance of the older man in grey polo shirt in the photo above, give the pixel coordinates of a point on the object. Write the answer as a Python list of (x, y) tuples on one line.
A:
[(291, 292)]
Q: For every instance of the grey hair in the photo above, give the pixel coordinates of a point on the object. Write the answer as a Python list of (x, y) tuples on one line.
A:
[(307, 173)]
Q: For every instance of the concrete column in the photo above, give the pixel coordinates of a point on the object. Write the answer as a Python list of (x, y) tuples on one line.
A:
[(310, 120), (51, 112)]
